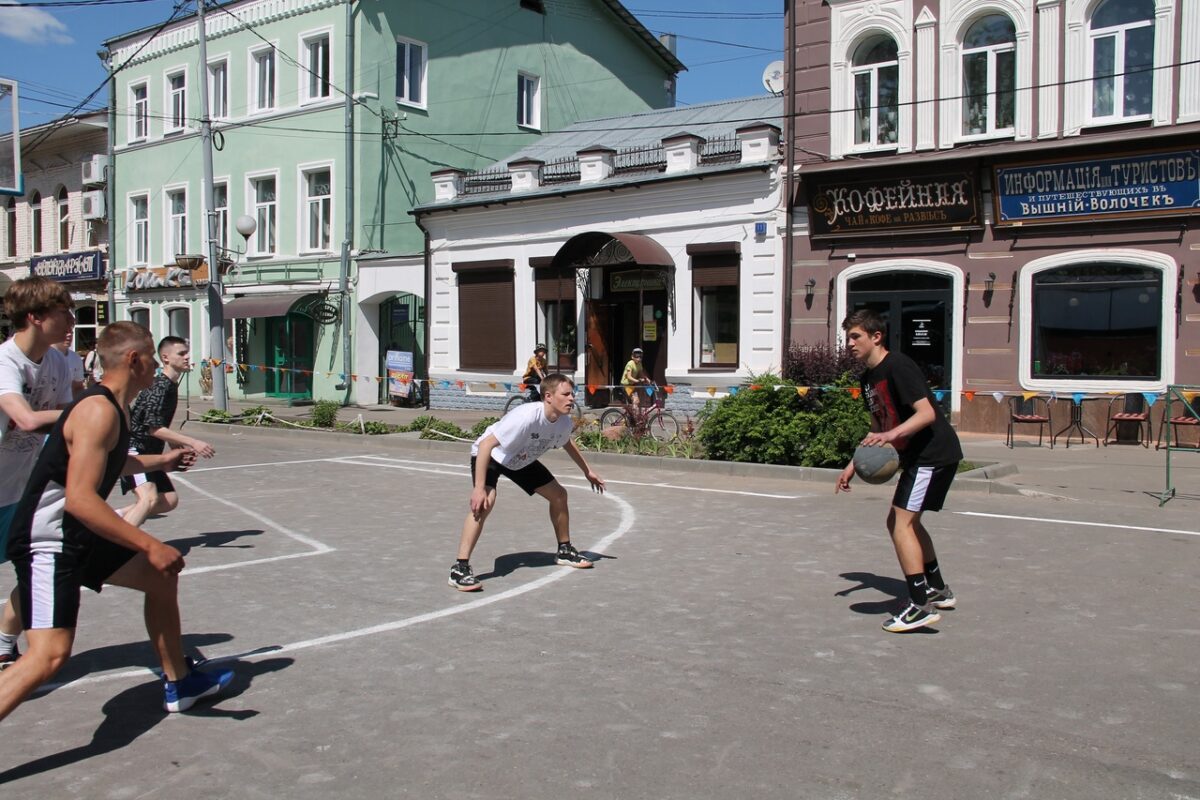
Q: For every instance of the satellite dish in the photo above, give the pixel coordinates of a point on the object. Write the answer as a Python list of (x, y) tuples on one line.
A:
[(772, 77)]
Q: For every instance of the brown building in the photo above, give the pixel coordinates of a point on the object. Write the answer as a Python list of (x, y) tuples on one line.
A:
[(1015, 183)]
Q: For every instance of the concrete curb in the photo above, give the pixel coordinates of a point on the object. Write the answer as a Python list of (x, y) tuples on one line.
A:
[(982, 479)]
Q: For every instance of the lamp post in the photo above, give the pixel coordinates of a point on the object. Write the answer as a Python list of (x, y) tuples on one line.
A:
[(219, 256)]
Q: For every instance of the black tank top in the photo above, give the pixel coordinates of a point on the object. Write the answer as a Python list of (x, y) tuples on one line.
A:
[(54, 529)]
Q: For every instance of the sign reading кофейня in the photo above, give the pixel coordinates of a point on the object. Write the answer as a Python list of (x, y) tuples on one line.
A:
[(895, 204), (1143, 184)]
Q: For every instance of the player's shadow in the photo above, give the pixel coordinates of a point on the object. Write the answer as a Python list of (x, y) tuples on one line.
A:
[(136, 711), (897, 590), (129, 654), (214, 539), (507, 564)]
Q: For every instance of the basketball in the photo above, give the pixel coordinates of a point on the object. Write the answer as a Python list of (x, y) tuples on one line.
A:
[(876, 464)]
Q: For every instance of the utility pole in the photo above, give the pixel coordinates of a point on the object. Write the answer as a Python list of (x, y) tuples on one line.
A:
[(216, 308)]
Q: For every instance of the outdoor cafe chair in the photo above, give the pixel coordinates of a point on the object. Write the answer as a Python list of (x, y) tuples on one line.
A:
[(1132, 410), (1029, 411)]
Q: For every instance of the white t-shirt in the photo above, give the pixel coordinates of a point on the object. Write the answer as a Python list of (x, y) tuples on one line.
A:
[(75, 362), (525, 435), (46, 386)]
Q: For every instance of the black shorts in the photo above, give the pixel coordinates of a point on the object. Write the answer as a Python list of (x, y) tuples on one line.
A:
[(530, 478), (49, 583), (159, 479), (924, 488)]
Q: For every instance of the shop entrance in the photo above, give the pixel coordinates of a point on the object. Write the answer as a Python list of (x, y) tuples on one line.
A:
[(631, 312), (402, 330), (917, 309), (290, 356)]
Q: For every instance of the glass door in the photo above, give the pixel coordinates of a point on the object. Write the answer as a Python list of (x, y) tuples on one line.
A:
[(290, 356)]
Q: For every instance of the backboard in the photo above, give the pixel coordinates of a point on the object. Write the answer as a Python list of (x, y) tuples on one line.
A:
[(11, 180)]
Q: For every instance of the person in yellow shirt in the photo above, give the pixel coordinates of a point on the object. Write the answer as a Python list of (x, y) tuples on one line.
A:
[(635, 375), (535, 371)]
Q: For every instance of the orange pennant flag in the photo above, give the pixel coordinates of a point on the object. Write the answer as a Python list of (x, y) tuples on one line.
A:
[(802, 391), (970, 395), (712, 390), (521, 386), (1027, 395), (592, 388), (669, 389), (855, 392), (491, 385), (754, 387), (459, 384), (629, 391)]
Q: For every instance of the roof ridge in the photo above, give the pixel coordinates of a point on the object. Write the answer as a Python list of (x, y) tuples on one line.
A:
[(659, 111)]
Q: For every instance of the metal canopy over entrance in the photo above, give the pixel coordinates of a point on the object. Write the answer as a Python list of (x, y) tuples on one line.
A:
[(264, 305), (628, 284)]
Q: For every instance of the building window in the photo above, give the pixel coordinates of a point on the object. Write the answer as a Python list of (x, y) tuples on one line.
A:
[(557, 318), (1122, 45), (140, 316), (715, 279), (218, 90), (64, 220), (11, 234), (220, 232), (177, 95), (35, 226), (410, 72), (139, 212), (318, 210), (263, 75), (989, 77), (529, 101), (176, 223), (486, 318), (139, 99), (85, 328), (265, 214), (1097, 321), (179, 323), (316, 67), (876, 76)]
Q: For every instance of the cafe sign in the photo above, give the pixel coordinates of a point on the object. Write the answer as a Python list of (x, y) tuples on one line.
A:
[(1140, 185), (69, 266), (941, 201), (650, 280)]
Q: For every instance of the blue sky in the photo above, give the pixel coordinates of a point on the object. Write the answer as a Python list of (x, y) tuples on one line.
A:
[(51, 49)]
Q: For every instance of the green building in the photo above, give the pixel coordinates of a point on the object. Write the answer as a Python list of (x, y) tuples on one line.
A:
[(315, 103)]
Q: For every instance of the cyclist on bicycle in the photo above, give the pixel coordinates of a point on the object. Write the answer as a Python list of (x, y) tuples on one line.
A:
[(635, 375), (535, 371)]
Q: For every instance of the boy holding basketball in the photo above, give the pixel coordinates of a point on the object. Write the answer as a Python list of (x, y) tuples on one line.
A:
[(904, 415)]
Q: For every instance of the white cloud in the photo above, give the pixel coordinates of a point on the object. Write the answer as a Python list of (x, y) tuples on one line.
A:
[(31, 25)]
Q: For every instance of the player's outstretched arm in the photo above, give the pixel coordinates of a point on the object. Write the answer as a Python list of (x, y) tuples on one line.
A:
[(22, 414), (177, 439), (91, 433), (576, 456), (171, 461)]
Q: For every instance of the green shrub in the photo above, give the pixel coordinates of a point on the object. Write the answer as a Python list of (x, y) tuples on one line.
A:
[(324, 413), (254, 411), (482, 426), (216, 415), (427, 432), (770, 425), (376, 428)]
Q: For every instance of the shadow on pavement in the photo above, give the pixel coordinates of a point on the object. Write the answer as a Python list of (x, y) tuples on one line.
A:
[(897, 589), (507, 564), (130, 654), (213, 539), (136, 711)]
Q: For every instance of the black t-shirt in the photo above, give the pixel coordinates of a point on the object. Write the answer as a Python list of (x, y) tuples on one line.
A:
[(153, 408), (889, 389)]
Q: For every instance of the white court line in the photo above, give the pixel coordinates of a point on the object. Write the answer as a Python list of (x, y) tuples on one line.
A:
[(626, 523), (270, 464), (1078, 522)]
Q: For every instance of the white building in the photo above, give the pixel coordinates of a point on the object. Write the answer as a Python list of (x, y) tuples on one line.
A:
[(659, 230)]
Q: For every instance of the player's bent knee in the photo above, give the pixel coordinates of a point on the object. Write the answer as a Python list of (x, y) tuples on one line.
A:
[(168, 502)]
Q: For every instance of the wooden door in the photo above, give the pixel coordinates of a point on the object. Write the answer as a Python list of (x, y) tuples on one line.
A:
[(598, 357)]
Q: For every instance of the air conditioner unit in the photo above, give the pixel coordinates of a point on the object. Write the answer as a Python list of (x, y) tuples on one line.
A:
[(93, 205), (94, 169)]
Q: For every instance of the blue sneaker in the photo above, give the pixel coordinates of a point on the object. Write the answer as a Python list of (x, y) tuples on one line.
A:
[(182, 694)]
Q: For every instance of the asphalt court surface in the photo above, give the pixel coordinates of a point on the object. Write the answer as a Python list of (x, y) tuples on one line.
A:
[(727, 644)]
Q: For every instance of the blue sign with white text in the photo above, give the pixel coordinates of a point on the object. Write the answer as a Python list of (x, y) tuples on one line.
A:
[(69, 266), (1147, 184)]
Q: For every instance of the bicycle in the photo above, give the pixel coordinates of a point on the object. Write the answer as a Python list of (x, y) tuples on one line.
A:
[(650, 421), (533, 394)]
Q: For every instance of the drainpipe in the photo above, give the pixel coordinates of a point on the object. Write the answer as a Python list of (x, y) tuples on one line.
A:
[(110, 186), (425, 300), (348, 238), (789, 105)]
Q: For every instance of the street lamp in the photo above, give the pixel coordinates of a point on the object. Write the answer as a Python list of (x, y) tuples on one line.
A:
[(220, 256)]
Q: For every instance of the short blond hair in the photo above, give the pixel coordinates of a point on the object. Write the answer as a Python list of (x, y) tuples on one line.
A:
[(118, 339)]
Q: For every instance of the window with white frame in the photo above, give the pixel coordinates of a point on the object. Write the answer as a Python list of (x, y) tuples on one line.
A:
[(35, 221), (64, 220), (140, 316), (179, 322), (176, 223), (410, 72), (220, 209), (10, 218), (218, 90), (1097, 321), (318, 209), (266, 214), (139, 121), (263, 76), (139, 212), (177, 101), (989, 77), (316, 72), (715, 279), (875, 72), (1121, 34), (529, 100)]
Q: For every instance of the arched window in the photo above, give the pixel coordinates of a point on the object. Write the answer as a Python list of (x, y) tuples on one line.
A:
[(35, 221), (875, 69), (1121, 34), (11, 232), (989, 76), (64, 220)]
